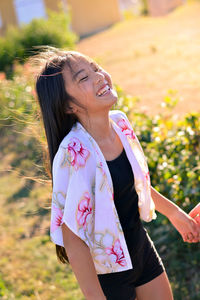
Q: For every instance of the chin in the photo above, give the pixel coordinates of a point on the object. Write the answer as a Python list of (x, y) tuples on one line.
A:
[(115, 99), (113, 102)]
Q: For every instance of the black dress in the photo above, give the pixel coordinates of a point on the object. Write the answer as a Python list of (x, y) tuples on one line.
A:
[(147, 263)]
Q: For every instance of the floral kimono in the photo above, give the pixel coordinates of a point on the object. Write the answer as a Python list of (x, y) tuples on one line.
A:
[(83, 196)]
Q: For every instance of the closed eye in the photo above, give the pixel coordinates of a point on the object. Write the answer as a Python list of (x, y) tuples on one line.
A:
[(97, 69), (84, 78)]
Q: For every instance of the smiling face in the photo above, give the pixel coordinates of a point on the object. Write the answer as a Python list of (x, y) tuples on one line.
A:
[(90, 85)]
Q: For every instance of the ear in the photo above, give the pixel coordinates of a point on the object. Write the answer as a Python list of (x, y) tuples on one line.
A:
[(71, 110)]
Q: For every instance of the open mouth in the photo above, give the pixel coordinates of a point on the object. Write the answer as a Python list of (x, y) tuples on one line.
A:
[(103, 91)]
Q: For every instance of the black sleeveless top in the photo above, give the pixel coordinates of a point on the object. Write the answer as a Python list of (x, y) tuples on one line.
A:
[(126, 200), (144, 257)]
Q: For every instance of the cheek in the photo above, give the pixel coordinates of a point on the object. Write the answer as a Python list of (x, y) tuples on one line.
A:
[(86, 89), (70, 90), (86, 93)]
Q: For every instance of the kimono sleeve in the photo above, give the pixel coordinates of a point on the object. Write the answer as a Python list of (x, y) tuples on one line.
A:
[(72, 200), (60, 176)]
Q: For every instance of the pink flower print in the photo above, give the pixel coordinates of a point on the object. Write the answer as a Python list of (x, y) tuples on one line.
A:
[(147, 176), (57, 215), (117, 253), (122, 123), (101, 167), (84, 209), (78, 153)]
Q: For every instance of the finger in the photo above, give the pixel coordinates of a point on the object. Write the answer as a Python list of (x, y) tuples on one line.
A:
[(186, 238), (193, 238), (188, 241), (190, 237), (195, 234), (194, 227), (195, 211)]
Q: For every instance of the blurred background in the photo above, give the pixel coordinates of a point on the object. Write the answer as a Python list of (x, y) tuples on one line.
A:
[(151, 48)]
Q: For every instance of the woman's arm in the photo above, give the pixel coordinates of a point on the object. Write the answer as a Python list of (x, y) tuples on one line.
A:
[(162, 204), (82, 265), (188, 228)]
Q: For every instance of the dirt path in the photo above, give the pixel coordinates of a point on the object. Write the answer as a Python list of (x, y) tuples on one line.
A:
[(148, 56)]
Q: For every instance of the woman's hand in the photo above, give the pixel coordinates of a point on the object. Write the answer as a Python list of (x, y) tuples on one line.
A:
[(188, 227), (195, 213)]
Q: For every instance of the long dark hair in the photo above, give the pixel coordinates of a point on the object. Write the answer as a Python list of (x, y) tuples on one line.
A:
[(54, 102)]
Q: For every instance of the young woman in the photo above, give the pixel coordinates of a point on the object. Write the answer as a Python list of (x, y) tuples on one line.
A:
[(101, 184)]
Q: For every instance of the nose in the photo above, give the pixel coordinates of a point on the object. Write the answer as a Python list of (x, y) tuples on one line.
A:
[(99, 77)]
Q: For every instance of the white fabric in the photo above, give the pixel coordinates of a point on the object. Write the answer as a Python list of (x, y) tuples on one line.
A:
[(83, 196)]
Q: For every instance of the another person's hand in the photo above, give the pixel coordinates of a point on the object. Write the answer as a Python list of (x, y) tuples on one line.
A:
[(195, 213), (188, 227)]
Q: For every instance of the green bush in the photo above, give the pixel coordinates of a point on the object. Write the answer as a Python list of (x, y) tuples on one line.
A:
[(9, 46), (172, 148), (20, 43)]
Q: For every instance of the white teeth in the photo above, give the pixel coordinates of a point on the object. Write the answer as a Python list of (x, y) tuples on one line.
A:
[(102, 91)]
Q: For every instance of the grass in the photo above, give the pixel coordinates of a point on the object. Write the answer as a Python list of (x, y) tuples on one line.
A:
[(28, 263)]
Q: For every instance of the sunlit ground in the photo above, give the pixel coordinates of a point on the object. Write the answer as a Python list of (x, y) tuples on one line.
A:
[(148, 56)]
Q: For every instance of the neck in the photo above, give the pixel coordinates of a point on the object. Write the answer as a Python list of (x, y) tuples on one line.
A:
[(99, 127)]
